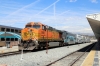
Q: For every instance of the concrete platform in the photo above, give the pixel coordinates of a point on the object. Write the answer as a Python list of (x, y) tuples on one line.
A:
[(40, 58), (93, 58), (5, 49)]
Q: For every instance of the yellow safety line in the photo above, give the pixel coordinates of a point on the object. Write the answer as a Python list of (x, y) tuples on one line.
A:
[(89, 59)]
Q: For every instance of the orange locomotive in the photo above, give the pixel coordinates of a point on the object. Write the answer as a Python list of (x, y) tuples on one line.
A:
[(36, 35)]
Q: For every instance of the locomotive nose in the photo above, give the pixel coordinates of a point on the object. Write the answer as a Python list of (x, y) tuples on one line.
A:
[(26, 33)]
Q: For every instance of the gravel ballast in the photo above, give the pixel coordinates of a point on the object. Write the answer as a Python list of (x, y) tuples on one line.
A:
[(40, 58)]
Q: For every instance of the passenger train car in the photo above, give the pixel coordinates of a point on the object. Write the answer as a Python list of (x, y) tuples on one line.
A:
[(78, 38), (87, 39), (9, 38), (68, 38)]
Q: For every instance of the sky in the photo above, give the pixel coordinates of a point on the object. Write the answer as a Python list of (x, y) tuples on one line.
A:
[(69, 15)]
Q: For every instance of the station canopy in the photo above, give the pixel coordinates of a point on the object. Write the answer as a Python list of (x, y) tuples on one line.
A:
[(94, 21)]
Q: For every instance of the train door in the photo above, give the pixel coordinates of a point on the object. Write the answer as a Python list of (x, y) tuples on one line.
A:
[(8, 44), (60, 35), (68, 39), (71, 39), (43, 32)]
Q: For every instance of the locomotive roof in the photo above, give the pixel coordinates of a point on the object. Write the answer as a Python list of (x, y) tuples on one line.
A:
[(69, 32), (33, 23), (10, 27)]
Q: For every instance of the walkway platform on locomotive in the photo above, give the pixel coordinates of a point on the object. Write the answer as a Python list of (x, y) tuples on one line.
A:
[(93, 58)]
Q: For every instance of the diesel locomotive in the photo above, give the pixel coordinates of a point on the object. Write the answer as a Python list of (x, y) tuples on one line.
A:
[(36, 35)]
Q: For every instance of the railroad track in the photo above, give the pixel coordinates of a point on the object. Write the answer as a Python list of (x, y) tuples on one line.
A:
[(73, 58), (13, 53), (19, 52), (9, 53)]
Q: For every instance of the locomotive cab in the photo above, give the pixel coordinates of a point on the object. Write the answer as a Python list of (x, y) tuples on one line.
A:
[(36, 26)]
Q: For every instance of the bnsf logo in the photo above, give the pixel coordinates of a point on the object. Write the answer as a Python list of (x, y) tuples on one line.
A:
[(26, 34)]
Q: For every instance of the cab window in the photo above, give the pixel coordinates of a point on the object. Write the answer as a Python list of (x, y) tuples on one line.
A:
[(43, 27), (27, 26), (36, 26)]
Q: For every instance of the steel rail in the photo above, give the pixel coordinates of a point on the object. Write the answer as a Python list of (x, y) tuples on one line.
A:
[(73, 62)]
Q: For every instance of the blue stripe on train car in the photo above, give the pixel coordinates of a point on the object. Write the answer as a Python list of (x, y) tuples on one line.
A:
[(14, 35), (69, 38), (8, 37)]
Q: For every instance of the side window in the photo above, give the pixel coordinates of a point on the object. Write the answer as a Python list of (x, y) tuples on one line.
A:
[(7, 39), (42, 27), (16, 31), (12, 39), (2, 39), (71, 38), (66, 37), (8, 30), (2, 29), (12, 30), (16, 39)]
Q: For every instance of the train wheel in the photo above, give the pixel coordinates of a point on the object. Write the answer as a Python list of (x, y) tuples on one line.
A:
[(66, 44), (25, 45), (62, 44), (59, 45), (43, 47), (40, 47)]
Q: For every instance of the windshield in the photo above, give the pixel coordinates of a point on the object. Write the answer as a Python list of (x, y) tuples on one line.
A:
[(36, 26), (27, 26)]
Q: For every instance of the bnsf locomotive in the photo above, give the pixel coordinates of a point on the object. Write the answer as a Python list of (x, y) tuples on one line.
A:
[(36, 35)]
